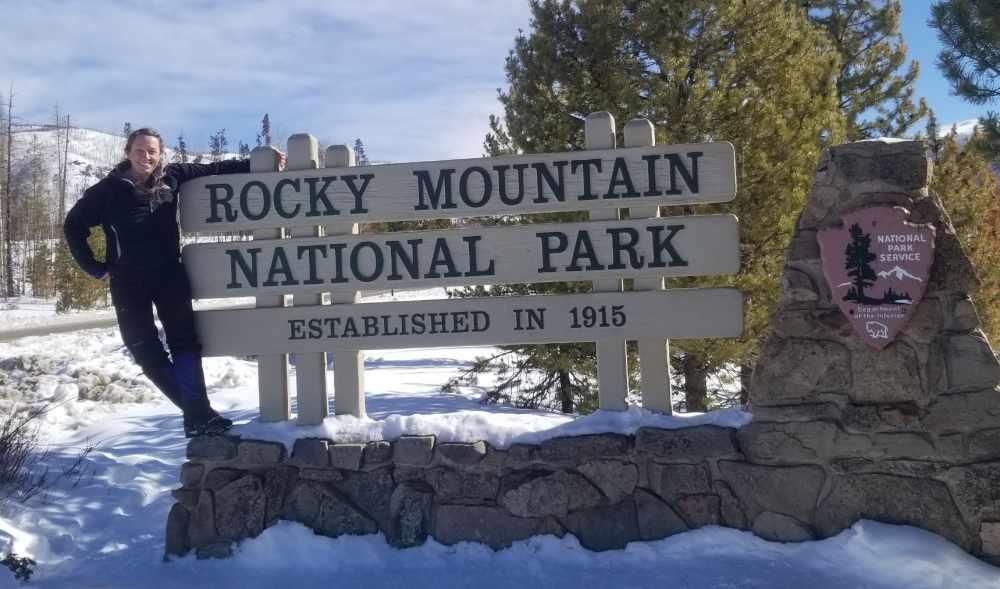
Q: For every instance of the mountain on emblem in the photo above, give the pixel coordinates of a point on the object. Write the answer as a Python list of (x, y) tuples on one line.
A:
[(899, 274), (879, 263)]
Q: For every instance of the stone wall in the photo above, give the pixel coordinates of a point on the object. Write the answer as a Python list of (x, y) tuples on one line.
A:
[(607, 489), (909, 435)]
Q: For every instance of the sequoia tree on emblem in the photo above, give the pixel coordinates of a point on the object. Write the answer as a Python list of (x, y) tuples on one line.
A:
[(877, 266)]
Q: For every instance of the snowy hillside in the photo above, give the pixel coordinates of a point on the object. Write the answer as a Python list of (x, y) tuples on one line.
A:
[(91, 155)]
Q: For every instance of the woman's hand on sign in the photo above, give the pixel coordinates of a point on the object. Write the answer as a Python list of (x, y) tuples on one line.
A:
[(282, 160)]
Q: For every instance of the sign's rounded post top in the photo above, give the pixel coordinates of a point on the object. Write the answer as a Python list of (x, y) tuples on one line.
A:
[(640, 133), (599, 130), (264, 158), (340, 156), (303, 152)]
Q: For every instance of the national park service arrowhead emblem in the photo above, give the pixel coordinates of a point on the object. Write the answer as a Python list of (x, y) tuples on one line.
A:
[(877, 266)]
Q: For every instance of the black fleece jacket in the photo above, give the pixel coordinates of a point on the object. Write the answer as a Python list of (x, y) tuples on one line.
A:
[(141, 234)]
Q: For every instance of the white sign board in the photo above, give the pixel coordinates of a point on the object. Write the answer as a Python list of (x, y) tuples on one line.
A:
[(571, 181), (667, 246), (673, 314)]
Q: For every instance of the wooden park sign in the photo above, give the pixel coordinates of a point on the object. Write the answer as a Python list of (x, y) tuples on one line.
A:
[(666, 246), (518, 185), (328, 257)]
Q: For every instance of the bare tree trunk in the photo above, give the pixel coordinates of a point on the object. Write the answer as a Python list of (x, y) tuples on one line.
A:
[(565, 392), (65, 171), (9, 237), (3, 207), (695, 383)]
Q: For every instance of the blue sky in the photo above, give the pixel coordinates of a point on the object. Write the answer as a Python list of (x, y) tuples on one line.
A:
[(923, 45), (414, 84)]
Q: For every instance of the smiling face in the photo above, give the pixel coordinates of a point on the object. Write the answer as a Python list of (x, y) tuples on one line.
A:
[(144, 155)]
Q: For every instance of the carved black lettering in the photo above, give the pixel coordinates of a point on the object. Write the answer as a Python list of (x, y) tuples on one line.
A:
[(296, 329), (398, 255), (428, 192), (586, 165), (463, 187), (311, 251), (249, 270), (690, 176), (473, 241), (561, 242), (624, 239), (279, 206), (651, 175), (350, 329), (419, 325), (387, 326), (265, 198), (583, 249), (459, 322), (215, 201), (480, 321), (376, 258), (442, 257), (505, 198), (318, 195), (280, 265), (556, 186), (358, 193), (620, 176), (663, 244), (338, 262), (439, 323)]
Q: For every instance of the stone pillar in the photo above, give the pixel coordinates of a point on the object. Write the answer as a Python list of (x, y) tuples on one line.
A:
[(909, 434)]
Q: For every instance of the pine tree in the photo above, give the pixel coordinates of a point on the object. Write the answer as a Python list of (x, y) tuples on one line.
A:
[(875, 98), (244, 150), (359, 153), (970, 191), (858, 259), (42, 271), (700, 70), (180, 150), (217, 145), (969, 30), (265, 130), (75, 288), (933, 140), (126, 129)]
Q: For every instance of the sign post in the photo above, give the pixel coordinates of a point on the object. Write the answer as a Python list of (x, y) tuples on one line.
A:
[(348, 365), (272, 369), (654, 352), (310, 368)]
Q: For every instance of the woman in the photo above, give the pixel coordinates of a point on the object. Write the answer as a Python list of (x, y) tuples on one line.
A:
[(136, 204)]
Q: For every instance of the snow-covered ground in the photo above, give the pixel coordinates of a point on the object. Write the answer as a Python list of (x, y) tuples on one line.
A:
[(107, 531)]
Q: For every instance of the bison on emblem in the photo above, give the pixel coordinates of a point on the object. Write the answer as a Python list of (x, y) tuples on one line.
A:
[(877, 330)]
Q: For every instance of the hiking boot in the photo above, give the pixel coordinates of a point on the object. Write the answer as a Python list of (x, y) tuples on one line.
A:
[(225, 422), (214, 426)]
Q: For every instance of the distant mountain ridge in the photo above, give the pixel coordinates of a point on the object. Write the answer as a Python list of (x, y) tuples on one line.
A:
[(92, 154)]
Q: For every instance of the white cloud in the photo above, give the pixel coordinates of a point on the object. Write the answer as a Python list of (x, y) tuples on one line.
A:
[(415, 81)]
